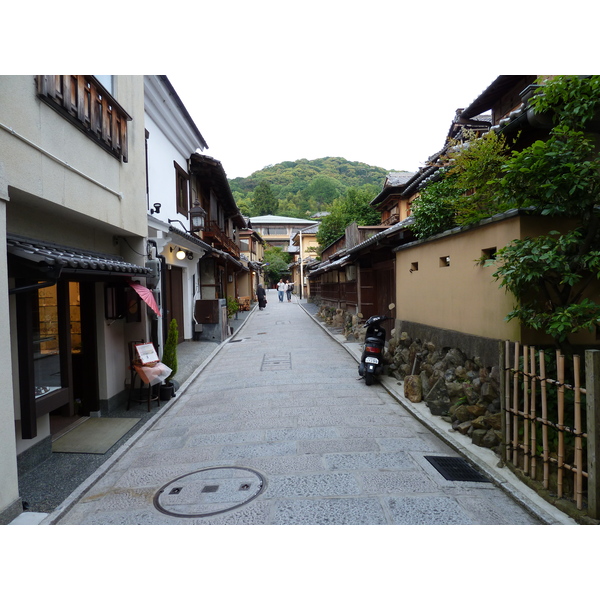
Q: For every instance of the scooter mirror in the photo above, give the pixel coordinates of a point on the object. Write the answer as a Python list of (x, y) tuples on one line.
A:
[(391, 306)]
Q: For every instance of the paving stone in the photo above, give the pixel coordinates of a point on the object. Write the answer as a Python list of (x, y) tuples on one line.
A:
[(335, 484), (331, 511), (300, 433), (428, 510), (492, 509), (409, 482), (369, 460), (250, 450), (330, 446)]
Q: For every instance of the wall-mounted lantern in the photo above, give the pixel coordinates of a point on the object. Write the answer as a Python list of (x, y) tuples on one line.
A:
[(197, 217)]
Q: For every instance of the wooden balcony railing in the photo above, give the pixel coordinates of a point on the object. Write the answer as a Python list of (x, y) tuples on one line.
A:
[(213, 233), (83, 101), (391, 220)]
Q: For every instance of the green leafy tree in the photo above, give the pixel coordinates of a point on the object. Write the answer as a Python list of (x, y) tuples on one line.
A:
[(433, 210), (264, 202), (276, 262), (476, 166), (550, 274), (307, 186), (354, 206), (467, 190)]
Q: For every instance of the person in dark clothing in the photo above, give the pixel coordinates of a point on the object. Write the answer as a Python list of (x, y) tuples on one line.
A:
[(261, 296)]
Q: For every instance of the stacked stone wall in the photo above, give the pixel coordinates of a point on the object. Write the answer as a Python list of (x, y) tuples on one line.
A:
[(462, 390)]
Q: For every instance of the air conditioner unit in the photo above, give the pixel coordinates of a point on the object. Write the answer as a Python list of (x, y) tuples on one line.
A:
[(153, 278)]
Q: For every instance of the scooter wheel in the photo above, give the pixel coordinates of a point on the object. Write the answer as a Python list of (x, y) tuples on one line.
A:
[(369, 378)]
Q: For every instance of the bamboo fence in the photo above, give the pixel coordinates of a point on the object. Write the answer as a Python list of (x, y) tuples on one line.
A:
[(540, 426)]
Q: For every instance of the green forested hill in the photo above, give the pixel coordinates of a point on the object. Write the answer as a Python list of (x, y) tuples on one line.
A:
[(305, 187)]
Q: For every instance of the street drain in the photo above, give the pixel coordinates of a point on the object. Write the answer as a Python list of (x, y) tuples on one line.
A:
[(209, 492), (455, 469)]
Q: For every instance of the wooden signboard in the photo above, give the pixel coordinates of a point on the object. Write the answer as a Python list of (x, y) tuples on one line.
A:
[(146, 353)]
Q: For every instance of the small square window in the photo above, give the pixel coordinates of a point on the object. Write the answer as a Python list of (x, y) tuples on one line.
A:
[(444, 261), (414, 266), (488, 256)]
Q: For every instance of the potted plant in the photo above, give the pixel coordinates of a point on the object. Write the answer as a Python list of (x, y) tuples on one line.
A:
[(232, 307), (167, 389)]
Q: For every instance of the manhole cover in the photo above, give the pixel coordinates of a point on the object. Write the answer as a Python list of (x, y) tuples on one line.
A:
[(455, 469), (276, 362), (209, 492)]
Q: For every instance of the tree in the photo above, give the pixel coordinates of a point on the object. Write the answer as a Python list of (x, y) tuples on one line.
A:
[(550, 274), (433, 210), (476, 166), (264, 202), (465, 194), (354, 206), (276, 262)]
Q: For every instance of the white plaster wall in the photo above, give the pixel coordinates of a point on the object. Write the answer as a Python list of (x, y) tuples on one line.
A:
[(9, 488), (162, 174)]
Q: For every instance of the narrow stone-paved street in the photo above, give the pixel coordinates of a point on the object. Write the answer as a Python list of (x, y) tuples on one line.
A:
[(278, 429)]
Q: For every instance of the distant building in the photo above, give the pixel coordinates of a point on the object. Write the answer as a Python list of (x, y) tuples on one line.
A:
[(277, 230)]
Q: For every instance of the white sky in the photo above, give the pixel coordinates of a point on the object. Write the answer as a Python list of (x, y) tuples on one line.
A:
[(268, 81)]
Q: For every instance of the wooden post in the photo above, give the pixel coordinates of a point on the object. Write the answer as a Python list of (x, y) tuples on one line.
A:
[(526, 415), (533, 471), (515, 428), (592, 386), (505, 398), (560, 366), (578, 477), (546, 452)]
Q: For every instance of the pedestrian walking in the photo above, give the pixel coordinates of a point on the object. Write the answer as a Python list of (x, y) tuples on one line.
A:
[(289, 289), (281, 288), (261, 296)]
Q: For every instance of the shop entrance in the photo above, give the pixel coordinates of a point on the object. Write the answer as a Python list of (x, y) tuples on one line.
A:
[(58, 373)]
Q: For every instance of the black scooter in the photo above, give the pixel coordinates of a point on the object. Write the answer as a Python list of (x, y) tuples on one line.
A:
[(371, 361)]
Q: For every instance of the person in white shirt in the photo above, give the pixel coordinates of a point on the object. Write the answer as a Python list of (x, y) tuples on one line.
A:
[(281, 288)]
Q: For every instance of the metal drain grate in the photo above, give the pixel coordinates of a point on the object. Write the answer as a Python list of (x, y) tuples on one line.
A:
[(455, 469)]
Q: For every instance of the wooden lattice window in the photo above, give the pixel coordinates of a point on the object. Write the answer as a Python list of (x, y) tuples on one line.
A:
[(182, 182), (83, 101)]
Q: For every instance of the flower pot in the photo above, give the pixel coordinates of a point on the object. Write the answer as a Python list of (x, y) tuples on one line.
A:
[(167, 391)]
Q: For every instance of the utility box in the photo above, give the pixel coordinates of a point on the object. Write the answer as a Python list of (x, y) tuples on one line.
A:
[(207, 311), (212, 315)]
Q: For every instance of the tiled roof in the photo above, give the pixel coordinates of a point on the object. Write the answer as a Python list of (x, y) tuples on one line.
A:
[(274, 219), (397, 178), (70, 259)]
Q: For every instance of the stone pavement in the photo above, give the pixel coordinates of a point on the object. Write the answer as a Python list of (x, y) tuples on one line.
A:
[(277, 429)]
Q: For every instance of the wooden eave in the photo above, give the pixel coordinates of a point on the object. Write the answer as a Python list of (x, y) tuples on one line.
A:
[(211, 172)]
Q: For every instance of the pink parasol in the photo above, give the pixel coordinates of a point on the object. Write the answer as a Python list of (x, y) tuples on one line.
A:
[(146, 295)]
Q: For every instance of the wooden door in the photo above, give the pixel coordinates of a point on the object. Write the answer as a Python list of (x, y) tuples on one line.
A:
[(385, 291), (175, 299), (367, 291)]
